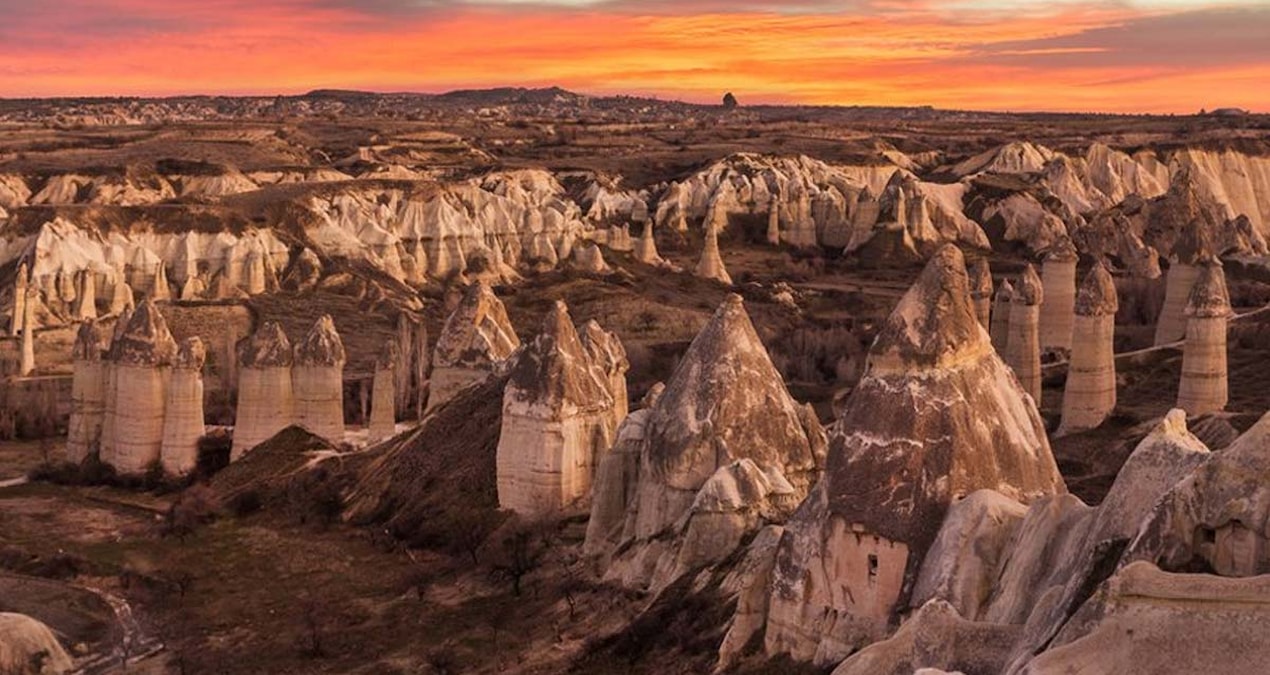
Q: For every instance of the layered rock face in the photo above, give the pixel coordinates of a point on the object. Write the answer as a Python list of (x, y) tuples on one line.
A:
[(266, 400), (317, 380), (724, 419), (1090, 393), (383, 406), (1203, 388), (476, 337), (981, 292), (1000, 325), (141, 359), (1023, 351), (1058, 279), (557, 422), (88, 394), (936, 417), (183, 422)]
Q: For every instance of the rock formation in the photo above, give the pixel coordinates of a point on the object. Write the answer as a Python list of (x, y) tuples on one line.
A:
[(1058, 279), (849, 557), (1192, 249), (608, 356), (141, 359), (317, 380), (86, 299), (1000, 325), (710, 266), (183, 423), (476, 338), (17, 315), (588, 258), (88, 393), (266, 401), (724, 419), (32, 299), (1090, 393), (383, 406), (26, 642), (1203, 388), (981, 292), (108, 375), (556, 424), (121, 296), (1023, 351), (646, 247)]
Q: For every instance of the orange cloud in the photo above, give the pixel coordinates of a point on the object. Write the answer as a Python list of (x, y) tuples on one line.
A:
[(908, 56)]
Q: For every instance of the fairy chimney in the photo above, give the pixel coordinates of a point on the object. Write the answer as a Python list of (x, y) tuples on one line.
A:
[(1203, 388), (1090, 393), (1023, 352)]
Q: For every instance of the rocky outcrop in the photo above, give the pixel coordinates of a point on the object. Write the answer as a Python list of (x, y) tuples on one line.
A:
[(476, 338), (1090, 393), (1058, 279), (935, 636), (726, 420), (383, 406), (266, 400), (1023, 350), (936, 417), (981, 292), (317, 380), (31, 300), (85, 306), (88, 394), (141, 359), (556, 423), (183, 423), (1209, 520), (1203, 388), (17, 310), (1179, 623), (29, 646), (1000, 324), (645, 248)]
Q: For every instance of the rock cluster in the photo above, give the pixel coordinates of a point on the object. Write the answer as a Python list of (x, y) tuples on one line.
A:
[(558, 415), (476, 338), (720, 451), (936, 417)]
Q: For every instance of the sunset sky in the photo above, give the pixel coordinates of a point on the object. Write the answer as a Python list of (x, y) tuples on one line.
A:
[(1069, 55)]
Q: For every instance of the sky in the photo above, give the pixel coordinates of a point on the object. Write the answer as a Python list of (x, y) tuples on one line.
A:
[(1164, 56)]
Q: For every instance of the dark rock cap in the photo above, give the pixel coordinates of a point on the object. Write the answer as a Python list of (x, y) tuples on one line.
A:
[(1209, 298), (87, 345), (1097, 293), (1029, 290), (981, 279), (321, 346), (267, 347), (191, 354), (146, 340)]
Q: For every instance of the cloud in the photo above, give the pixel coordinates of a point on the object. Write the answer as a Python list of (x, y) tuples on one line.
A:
[(1057, 54)]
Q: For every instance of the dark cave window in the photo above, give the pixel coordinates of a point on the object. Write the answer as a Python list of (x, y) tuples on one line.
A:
[(873, 567)]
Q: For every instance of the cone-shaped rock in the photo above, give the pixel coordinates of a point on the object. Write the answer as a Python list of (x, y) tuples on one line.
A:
[(162, 289), (936, 417), (608, 356), (1023, 351), (88, 393), (981, 292), (121, 296), (383, 406), (1203, 388), (1058, 277), (266, 401), (142, 358), (646, 246), (588, 258), (476, 337), (725, 403), (710, 266), (183, 421), (1090, 393), (555, 424), (1000, 326), (317, 380)]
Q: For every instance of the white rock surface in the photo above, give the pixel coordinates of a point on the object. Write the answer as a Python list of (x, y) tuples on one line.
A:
[(317, 380), (476, 337), (183, 422), (88, 395), (142, 358), (266, 400)]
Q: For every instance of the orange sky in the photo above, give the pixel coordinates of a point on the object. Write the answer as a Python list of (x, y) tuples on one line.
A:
[(1107, 55)]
